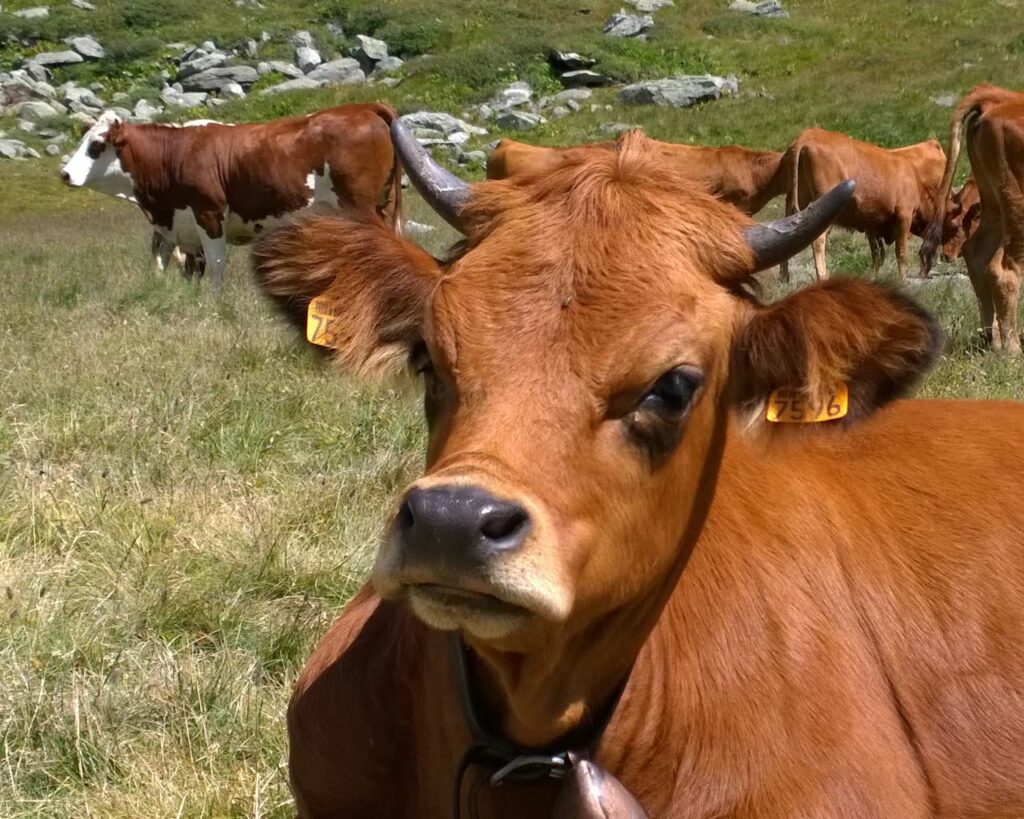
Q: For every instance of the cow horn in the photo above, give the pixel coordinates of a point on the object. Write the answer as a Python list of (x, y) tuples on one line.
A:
[(442, 189), (774, 242)]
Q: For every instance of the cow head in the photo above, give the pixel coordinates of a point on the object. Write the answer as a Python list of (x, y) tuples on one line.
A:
[(583, 360), (96, 163), (961, 220)]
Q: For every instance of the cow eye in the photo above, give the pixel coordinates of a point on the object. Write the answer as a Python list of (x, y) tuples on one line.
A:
[(673, 392), (96, 148), (419, 360)]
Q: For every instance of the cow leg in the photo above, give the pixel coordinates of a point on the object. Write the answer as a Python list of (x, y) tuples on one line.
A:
[(877, 246), (902, 241), (818, 246), (161, 250), (1006, 295), (215, 245), (981, 254)]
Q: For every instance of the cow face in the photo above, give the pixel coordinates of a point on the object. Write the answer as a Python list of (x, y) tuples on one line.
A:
[(962, 217), (583, 362), (96, 164)]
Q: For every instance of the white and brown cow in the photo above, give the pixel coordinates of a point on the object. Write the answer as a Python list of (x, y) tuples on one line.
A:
[(207, 186)]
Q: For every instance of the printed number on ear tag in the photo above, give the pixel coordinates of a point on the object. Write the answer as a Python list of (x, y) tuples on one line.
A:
[(788, 406), (318, 324)]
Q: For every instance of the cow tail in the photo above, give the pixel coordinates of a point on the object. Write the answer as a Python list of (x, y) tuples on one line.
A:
[(391, 195), (792, 156)]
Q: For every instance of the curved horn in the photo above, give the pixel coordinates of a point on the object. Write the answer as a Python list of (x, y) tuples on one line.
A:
[(442, 189), (774, 242)]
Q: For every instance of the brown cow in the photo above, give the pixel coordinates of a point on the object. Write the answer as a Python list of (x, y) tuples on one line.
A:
[(595, 514), (207, 185), (963, 212), (896, 189), (994, 119), (743, 177)]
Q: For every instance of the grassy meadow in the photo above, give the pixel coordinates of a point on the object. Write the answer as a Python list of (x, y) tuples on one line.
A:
[(188, 495)]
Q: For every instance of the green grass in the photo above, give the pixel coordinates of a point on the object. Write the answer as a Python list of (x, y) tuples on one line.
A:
[(188, 496)]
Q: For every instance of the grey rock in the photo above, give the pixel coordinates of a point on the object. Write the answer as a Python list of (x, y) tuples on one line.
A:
[(83, 119), (679, 92), (145, 111), (572, 105), (458, 138), (584, 78), (195, 65), (34, 110), (389, 82), (570, 61), (190, 53), (575, 94), (25, 126), (518, 120), (484, 111), (518, 93), (119, 96), (559, 111), (84, 5), (123, 113), (343, 71), (12, 149), (768, 8), (264, 36), (49, 58), (216, 102), (232, 91), (475, 157), (944, 100), (440, 122), (82, 96), (624, 24), (250, 47), (307, 58), (215, 78), (336, 31), (302, 39), (37, 72), (291, 85), (209, 46), (87, 46), (648, 6), (388, 64), (263, 68), (34, 13), (52, 149), (287, 69), (617, 127), (30, 153), (369, 51)]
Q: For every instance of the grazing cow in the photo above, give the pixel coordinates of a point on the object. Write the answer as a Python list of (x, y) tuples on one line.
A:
[(206, 186), (896, 189), (743, 177), (963, 211), (994, 121), (725, 616)]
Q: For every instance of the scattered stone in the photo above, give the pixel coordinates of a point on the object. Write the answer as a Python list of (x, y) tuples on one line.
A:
[(336, 31), (648, 6), (48, 58), (171, 96), (944, 100), (287, 69), (343, 71), (84, 5), (209, 46), (570, 61), (389, 82), (476, 157), (52, 149), (484, 111), (204, 62), (123, 113), (440, 122), (768, 8), (25, 126), (573, 94), (232, 91), (250, 47), (307, 58), (37, 72), (624, 24), (11, 148), (518, 120), (44, 89), (82, 119), (584, 78), (518, 93), (617, 127), (559, 111), (679, 92), (213, 79), (34, 111), (302, 39), (369, 51), (388, 64), (34, 13), (572, 105), (87, 46), (145, 111), (83, 96), (119, 96), (291, 85)]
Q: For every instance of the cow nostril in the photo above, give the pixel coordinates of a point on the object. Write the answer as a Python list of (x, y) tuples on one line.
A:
[(405, 519), (504, 522), (65, 176)]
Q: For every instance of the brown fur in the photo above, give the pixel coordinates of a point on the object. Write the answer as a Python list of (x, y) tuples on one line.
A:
[(994, 119), (820, 622), (963, 212), (896, 192)]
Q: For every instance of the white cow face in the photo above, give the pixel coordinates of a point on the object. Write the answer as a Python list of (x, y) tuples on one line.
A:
[(95, 164)]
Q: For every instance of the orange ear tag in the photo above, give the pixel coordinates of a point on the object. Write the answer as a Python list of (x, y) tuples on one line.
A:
[(788, 406), (318, 324)]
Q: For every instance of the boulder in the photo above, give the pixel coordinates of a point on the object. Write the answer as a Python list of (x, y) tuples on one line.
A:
[(25, 126), (768, 8), (37, 72), (44, 90), (174, 98), (83, 96), (123, 113), (624, 24), (145, 111), (232, 91), (48, 58), (291, 85), (570, 61), (34, 13), (287, 69), (34, 111), (584, 78), (195, 65), (518, 120), (648, 6), (12, 149), (679, 92), (302, 39), (213, 79), (388, 65), (87, 46), (209, 46), (52, 149), (84, 5), (369, 51), (518, 93), (440, 122), (575, 94), (343, 71), (307, 58)]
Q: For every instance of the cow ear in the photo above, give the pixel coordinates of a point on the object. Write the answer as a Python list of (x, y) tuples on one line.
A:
[(839, 336), (370, 287)]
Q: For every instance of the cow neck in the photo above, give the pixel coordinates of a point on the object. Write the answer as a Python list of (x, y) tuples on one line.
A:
[(505, 761)]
